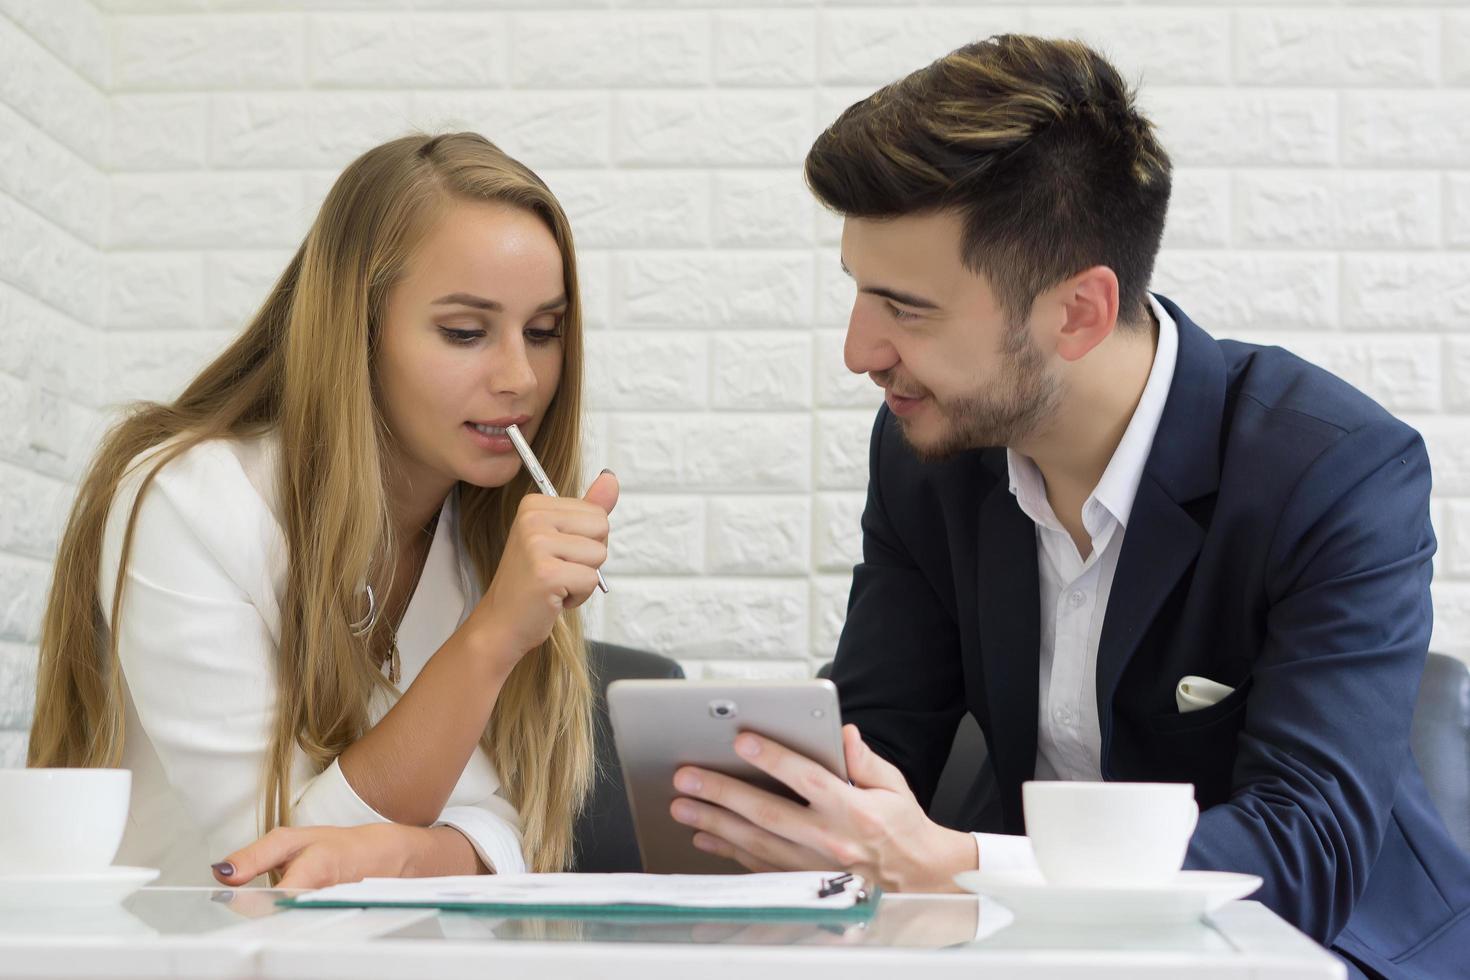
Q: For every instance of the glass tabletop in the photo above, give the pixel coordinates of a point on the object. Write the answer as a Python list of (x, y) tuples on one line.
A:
[(901, 921)]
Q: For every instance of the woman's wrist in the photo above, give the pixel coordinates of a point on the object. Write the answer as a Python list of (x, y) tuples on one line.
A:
[(436, 851)]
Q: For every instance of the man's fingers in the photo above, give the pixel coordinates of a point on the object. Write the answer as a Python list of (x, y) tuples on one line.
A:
[(757, 839), (711, 844), (867, 768), (271, 851), (809, 780)]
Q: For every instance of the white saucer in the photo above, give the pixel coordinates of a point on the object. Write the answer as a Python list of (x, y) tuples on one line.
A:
[(1190, 895), (78, 891)]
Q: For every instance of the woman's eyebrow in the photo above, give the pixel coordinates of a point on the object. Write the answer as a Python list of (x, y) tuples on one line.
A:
[(481, 303)]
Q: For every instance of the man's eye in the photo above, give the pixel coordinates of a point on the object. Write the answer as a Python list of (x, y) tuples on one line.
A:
[(900, 315)]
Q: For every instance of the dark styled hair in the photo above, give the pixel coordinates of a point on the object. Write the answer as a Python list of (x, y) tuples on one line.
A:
[(1036, 143)]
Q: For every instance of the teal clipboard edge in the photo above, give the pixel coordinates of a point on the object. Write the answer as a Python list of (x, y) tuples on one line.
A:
[(860, 912)]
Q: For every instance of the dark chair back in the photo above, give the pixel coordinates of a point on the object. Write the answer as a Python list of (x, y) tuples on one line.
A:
[(1441, 739), (604, 830)]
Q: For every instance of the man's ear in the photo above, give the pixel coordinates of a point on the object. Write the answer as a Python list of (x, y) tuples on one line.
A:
[(1089, 303)]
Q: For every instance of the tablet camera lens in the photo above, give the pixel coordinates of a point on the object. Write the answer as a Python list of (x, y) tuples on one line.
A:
[(722, 709)]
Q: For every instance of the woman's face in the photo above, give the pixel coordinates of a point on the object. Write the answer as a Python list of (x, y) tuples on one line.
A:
[(471, 342)]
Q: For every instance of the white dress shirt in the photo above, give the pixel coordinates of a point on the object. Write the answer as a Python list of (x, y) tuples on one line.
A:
[(200, 626), (1075, 590)]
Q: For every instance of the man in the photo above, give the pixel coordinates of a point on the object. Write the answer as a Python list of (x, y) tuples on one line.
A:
[(1078, 499)]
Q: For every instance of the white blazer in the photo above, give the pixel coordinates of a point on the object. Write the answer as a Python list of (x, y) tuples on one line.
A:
[(200, 626)]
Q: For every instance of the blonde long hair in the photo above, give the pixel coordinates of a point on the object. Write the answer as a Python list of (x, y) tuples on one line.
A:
[(304, 369)]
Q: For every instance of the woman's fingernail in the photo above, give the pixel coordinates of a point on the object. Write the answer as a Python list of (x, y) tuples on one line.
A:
[(606, 470), (224, 869)]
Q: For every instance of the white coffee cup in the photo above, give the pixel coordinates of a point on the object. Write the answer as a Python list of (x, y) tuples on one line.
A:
[(1099, 833), (61, 821)]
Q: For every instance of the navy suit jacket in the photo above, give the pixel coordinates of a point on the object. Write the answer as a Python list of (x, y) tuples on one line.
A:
[(1279, 543)]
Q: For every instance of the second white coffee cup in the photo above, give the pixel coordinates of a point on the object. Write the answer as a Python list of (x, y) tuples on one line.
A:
[(1109, 834)]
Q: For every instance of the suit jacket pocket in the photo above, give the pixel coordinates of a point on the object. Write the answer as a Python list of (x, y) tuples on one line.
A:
[(1188, 721), (1199, 747)]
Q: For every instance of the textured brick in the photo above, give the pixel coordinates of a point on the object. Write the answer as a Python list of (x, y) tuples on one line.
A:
[(1199, 210), (50, 178), (1401, 373), (656, 534), (236, 285), (1449, 452), (765, 48), (23, 585), (761, 371), (1411, 129), (710, 618), (230, 210), (838, 531), (759, 535), (856, 47), (1320, 47), (73, 30), (13, 749), (154, 291), (593, 50), (1451, 619), (1205, 127), (713, 129), (748, 670), (1163, 47), (156, 366), (842, 449), (318, 129), (51, 264), (837, 387), (1454, 539), (158, 131), (634, 209), (730, 289), (42, 88), (1457, 374), (763, 208), (1342, 209), (1457, 209), (829, 612), (207, 52), (1413, 292), (32, 510), (17, 685), (542, 129), (1457, 47), (424, 49), (836, 290), (641, 371), (712, 452), (1243, 290)]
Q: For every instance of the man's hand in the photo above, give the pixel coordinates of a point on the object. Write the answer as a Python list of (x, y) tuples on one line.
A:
[(315, 857), (873, 827)]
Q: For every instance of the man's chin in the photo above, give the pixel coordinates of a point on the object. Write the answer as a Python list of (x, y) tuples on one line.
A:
[(928, 445)]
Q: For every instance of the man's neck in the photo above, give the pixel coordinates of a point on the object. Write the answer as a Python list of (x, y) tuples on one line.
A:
[(1074, 449)]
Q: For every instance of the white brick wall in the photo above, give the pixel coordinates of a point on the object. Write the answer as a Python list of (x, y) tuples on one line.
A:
[(159, 159)]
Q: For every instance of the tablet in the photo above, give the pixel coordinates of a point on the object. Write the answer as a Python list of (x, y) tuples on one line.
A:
[(661, 725)]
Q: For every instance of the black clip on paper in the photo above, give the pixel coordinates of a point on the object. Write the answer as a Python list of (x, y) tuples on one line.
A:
[(834, 886)]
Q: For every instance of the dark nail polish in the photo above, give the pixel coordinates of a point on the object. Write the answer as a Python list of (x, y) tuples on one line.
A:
[(224, 869), (606, 470)]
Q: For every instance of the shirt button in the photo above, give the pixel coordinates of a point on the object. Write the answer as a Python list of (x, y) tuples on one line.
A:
[(1076, 599), (1063, 716)]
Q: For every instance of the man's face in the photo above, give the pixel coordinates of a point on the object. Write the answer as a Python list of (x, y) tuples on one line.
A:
[(955, 371)]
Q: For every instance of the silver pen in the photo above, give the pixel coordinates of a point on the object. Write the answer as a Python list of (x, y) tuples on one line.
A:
[(533, 466)]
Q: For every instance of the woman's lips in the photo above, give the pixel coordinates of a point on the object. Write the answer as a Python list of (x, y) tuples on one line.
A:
[(492, 439)]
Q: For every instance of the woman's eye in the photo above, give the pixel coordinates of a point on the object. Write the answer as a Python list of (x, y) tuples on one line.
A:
[(543, 335), (461, 337)]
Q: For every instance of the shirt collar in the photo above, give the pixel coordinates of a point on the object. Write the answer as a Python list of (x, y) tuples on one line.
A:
[(1114, 493)]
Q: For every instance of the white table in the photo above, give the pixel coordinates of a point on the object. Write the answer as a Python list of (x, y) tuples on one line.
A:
[(204, 932)]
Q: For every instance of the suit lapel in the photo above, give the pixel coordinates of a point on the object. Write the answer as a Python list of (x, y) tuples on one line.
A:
[(1162, 539), (1010, 635)]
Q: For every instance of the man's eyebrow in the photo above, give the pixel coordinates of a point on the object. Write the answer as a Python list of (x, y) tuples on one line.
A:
[(481, 303), (898, 296)]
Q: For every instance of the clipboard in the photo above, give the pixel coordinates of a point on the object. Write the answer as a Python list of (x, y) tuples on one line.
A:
[(776, 896)]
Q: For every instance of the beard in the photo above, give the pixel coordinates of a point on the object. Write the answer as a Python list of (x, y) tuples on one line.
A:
[(1022, 398)]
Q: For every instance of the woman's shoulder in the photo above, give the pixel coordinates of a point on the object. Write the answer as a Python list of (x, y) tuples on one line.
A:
[(218, 494)]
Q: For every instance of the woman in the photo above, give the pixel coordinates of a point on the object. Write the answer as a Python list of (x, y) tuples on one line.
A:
[(267, 601)]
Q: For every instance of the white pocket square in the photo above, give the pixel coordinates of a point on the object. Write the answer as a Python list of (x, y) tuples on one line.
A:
[(1194, 693)]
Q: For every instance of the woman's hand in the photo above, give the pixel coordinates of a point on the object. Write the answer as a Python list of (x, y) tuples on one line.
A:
[(550, 563), (315, 857)]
